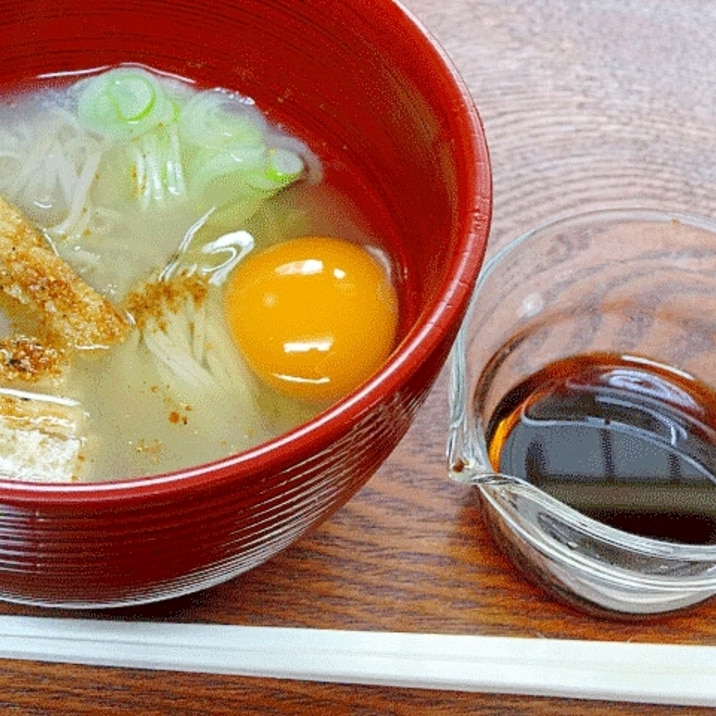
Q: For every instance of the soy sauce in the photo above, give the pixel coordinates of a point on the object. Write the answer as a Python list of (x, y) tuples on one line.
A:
[(624, 440)]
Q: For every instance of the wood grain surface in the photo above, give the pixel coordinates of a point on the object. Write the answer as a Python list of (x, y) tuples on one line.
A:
[(585, 104)]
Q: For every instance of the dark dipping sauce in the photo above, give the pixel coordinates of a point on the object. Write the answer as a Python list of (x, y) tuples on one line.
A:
[(625, 441)]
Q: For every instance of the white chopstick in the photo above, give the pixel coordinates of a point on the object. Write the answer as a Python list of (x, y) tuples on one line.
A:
[(615, 671)]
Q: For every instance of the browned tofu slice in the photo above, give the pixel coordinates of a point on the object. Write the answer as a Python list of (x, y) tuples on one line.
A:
[(24, 359), (32, 274), (41, 438)]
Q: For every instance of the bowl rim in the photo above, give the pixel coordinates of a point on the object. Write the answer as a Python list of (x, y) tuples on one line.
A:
[(422, 340)]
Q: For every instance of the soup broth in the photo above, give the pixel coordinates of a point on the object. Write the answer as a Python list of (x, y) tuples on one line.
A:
[(154, 222)]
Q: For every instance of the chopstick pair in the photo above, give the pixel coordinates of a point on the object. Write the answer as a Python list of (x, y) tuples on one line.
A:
[(615, 671)]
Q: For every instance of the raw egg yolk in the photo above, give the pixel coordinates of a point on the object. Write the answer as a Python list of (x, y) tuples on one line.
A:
[(313, 316)]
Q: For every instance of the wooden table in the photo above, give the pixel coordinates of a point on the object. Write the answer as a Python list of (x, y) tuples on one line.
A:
[(585, 104)]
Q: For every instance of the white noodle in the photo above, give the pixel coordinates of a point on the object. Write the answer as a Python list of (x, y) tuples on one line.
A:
[(181, 366), (225, 363), (80, 209), (197, 328)]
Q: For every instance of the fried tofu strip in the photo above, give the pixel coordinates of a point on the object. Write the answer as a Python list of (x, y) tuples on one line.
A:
[(40, 438), (31, 273), (26, 360)]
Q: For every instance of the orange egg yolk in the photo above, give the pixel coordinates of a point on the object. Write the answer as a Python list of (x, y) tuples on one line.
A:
[(313, 316)]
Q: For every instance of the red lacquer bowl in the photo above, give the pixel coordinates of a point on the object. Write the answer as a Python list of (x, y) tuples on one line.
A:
[(374, 96)]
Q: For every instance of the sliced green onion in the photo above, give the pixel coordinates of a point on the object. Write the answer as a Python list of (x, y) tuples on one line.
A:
[(216, 142), (214, 119), (226, 167), (231, 155), (124, 103), (282, 168)]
